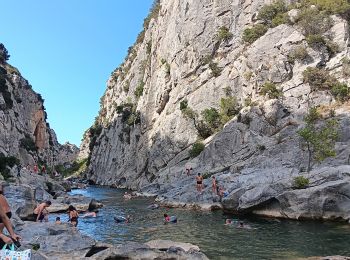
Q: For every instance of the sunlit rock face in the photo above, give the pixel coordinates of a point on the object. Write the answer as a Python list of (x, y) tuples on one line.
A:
[(141, 139), (24, 130)]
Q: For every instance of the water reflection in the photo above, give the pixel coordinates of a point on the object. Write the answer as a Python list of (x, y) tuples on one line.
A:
[(270, 238)]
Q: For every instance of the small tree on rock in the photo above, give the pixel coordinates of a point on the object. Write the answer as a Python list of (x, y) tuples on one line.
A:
[(318, 137)]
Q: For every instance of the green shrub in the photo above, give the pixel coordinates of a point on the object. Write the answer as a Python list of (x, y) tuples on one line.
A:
[(203, 129), (312, 116), (248, 101), (4, 56), (153, 14), (196, 149), (299, 53), (139, 89), (228, 91), (211, 117), (215, 70), (271, 90), (250, 35), (332, 47), (301, 182), (280, 19), (183, 104), (331, 6), (269, 12), (167, 68), (317, 78), (224, 34), (314, 22), (28, 143), (229, 107), (5, 162), (315, 40), (340, 91)]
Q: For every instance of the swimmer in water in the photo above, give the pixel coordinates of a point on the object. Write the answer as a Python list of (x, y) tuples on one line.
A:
[(92, 214)]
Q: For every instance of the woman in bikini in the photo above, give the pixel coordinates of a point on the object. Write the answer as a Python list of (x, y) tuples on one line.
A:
[(5, 206), (199, 180), (73, 215)]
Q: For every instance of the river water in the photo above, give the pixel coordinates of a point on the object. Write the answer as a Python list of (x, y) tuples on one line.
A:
[(269, 238)]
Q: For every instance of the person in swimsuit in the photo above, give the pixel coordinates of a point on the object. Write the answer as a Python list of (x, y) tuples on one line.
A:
[(213, 184), (58, 220), (199, 180), (13, 238), (40, 211), (73, 215), (5, 206)]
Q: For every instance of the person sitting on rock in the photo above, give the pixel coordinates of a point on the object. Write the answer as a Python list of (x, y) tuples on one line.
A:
[(199, 180), (5, 206), (14, 238), (39, 211), (58, 220), (73, 215)]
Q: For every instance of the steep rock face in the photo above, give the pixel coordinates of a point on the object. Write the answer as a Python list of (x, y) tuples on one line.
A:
[(25, 133), (143, 139)]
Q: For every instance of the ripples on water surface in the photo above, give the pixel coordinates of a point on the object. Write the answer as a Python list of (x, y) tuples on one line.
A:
[(271, 238)]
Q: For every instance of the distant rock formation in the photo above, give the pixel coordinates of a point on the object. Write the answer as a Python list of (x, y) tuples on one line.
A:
[(24, 131)]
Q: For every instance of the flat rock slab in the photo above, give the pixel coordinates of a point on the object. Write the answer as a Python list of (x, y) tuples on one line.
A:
[(166, 244)]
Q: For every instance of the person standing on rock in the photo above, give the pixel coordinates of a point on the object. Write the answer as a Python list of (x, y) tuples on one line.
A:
[(188, 171), (43, 170), (19, 168), (40, 211), (213, 185), (35, 169), (73, 215), (199, 180)]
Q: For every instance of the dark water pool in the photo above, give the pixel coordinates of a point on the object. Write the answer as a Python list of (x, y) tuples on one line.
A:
[(269, 238)]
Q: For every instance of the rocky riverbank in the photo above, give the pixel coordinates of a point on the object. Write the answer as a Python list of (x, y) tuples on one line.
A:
[(62, 241)]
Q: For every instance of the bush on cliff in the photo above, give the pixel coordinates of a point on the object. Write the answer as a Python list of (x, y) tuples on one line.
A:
[(28, 144), (301, 182), (224, 34), (271, 90), (250, 35), (5, 162), (269, 13), (196, 149)]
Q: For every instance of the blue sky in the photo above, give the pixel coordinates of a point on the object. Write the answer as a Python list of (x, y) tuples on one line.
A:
[(67, 49)]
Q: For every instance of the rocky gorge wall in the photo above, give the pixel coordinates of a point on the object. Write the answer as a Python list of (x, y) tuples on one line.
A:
[(25, 132), (192, 52)]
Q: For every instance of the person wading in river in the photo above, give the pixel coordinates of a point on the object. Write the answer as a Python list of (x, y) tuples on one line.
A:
[(73, 215), (199, 180)]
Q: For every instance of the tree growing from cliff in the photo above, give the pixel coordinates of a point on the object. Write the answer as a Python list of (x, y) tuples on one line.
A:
[(4, 55), (318, 137)]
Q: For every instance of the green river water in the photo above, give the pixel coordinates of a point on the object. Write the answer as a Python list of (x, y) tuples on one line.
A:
[(269, 238)]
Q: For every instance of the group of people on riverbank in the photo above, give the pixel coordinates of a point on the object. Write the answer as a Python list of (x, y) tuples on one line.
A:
[(216, 188), (41, 214)]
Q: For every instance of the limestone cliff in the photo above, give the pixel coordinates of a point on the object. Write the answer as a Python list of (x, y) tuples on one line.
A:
[(24, 131), (198, 54)]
